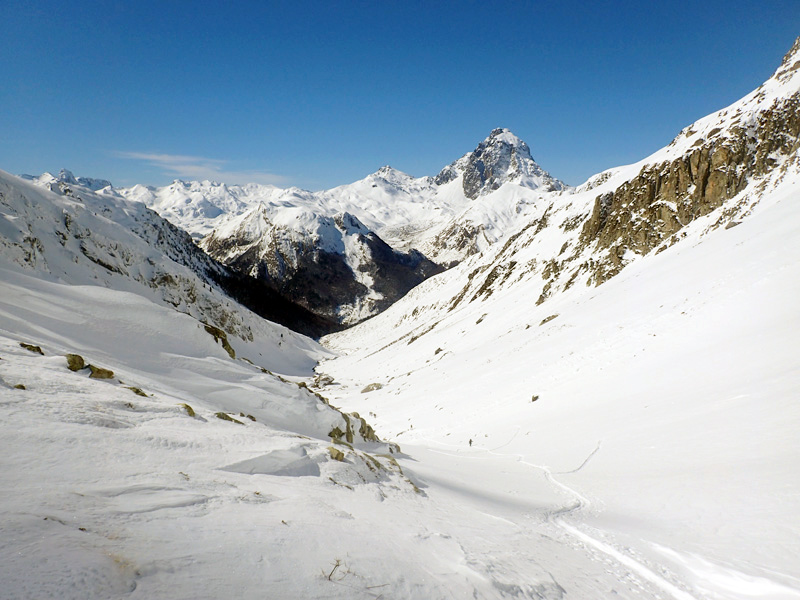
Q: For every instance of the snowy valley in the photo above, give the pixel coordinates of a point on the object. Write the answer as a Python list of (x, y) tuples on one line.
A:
[(543, 391)]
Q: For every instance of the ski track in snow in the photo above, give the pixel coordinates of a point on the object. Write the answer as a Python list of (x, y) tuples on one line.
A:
[(581, 503), (719, 580)]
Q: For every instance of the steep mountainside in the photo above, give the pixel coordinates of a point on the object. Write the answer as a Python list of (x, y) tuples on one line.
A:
[(75, 235), (333, 266)]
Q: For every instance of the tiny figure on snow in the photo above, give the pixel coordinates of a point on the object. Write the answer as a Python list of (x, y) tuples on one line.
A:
[(470, 442)]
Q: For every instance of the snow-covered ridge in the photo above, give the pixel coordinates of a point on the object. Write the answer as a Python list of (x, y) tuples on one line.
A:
[(66, 177)]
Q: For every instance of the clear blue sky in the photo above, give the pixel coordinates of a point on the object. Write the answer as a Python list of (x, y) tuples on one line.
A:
[(318, 94)]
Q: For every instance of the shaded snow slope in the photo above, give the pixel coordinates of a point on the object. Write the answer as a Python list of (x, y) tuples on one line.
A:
[(333, 266)]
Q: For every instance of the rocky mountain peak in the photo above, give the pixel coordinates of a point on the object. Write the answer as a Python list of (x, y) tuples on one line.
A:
[(501, 158), (790, 63), (392, 175), (386, 171), (66, 176)]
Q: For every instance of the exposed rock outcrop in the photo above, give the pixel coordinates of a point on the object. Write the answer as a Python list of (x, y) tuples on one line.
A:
[(650, 209)]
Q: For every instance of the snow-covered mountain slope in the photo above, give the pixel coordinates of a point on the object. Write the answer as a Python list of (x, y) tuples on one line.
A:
[(333, 266), (168, 468), (661, 404), (79, 237), (289, 238)]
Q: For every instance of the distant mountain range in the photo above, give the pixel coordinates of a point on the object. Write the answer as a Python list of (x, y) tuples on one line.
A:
[(347, 253)]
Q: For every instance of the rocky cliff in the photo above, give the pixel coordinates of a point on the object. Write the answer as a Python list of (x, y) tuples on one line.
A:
[(708, 164)]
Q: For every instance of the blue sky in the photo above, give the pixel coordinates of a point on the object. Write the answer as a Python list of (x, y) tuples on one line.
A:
[(318, 94)]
